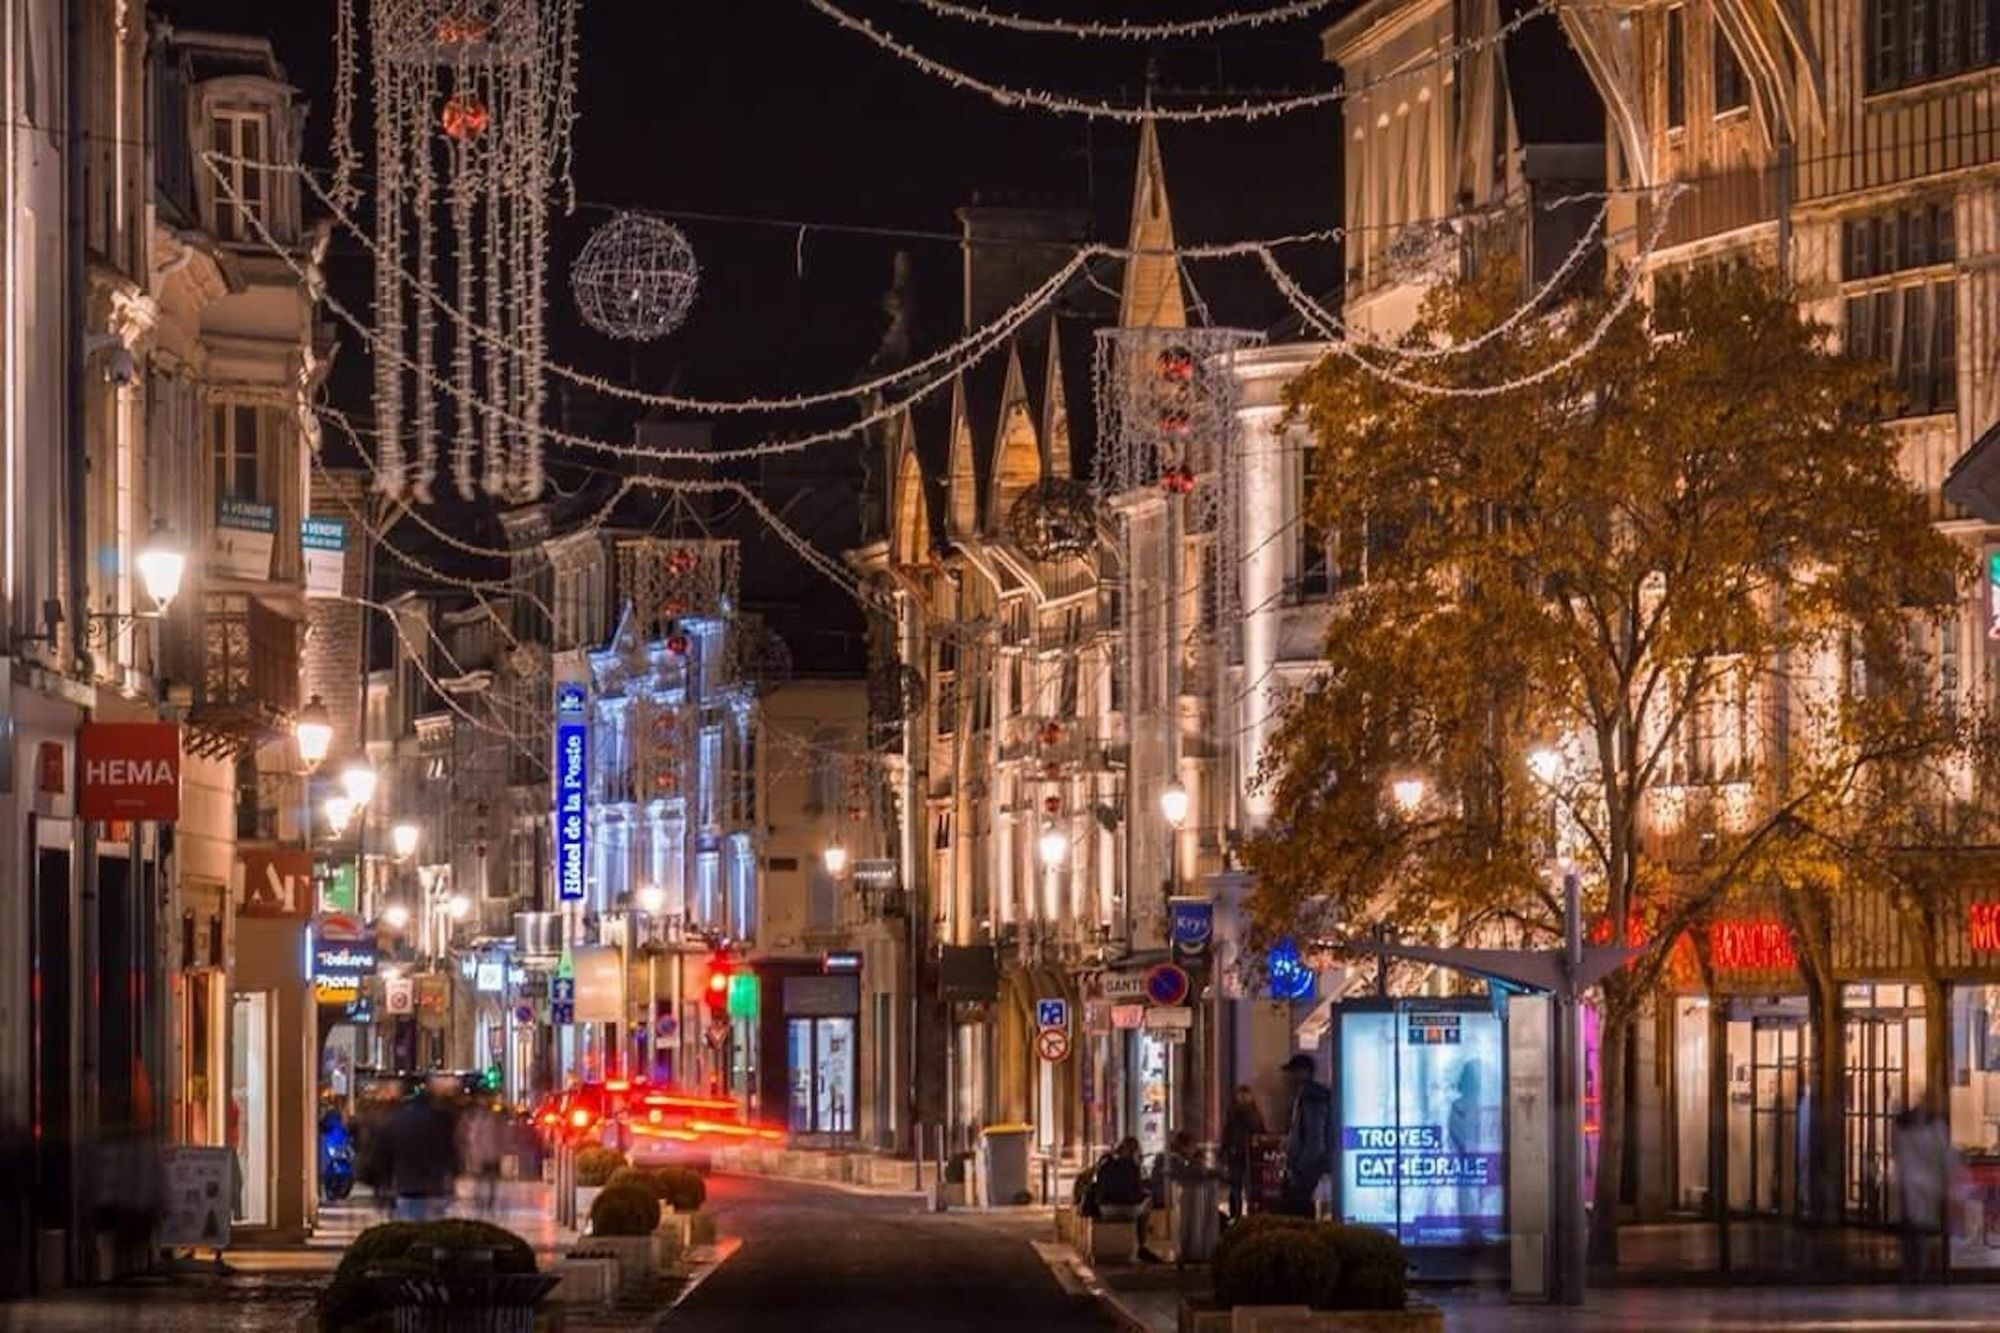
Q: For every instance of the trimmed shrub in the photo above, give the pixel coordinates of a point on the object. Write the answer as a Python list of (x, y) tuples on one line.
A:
[(1280, 1266), (1373, 1269), (347, 1304), (1254, 1224), (624, 1210), (680, 1187), (596, 1166), (638, 1177)]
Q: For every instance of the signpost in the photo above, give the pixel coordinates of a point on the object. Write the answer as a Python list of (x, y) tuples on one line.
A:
[(572, 775), (1052, 1044), (1166, 984), (1052, 1013), (195, 1211), (129, 770)]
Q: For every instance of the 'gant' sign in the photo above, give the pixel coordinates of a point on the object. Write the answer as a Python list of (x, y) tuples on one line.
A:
[(128, 770)]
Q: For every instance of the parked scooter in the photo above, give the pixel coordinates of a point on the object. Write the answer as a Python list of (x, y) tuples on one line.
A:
[(336, 1157)]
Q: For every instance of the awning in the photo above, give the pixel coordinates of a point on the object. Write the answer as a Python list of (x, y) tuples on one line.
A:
[(1974, 481)]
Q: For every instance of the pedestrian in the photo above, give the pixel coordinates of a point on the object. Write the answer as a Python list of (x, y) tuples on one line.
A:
[(481, 1152), (1123, 1194), (420, 1153), (1308, 1137), (1925, 1170), (1241, 1129)]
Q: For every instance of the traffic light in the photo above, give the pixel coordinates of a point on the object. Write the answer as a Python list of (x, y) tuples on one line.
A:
[(717, 995)]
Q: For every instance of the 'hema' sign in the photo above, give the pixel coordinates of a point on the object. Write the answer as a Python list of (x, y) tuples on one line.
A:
[(128, 770)]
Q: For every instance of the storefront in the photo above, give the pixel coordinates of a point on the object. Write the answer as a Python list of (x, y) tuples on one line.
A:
[(273, 1078), (811, 1054)]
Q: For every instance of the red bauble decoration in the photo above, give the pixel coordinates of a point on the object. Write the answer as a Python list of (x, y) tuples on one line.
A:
[(1052, 804), (1177, 365), (681, 562), (677, 644), (465, 117), (1178, 480), (1175, 421), (459, 29)]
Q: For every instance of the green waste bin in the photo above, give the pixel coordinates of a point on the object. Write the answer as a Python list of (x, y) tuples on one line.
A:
[(1005, 1164)]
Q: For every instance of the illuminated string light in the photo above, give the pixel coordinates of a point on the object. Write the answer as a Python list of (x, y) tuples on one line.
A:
[(1036, 99), (1128, 29)]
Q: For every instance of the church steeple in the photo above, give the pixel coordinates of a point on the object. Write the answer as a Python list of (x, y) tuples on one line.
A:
[(1153, 296)]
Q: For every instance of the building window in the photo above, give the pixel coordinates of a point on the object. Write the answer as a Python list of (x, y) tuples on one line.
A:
[(242, 191), (1732, 92), (1912, 330), (1676, 68), (238, 448), (1882, 244), (947, 688), (708, 888), (711, 768), (1313, 557), (1913, 41)]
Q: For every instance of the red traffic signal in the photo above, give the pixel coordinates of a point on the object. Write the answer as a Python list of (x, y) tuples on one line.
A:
[(717, 996)]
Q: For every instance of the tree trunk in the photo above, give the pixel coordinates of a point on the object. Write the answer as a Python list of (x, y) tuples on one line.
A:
[(1826, 1153), (1614, 1040)]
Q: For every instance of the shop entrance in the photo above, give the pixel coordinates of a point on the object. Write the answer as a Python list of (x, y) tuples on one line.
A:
[(1882, 1076), (820, 1052), (1770, 1045)]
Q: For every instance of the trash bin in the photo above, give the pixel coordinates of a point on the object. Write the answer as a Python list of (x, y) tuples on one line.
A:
[(1196, 1219), (1005, 1162)]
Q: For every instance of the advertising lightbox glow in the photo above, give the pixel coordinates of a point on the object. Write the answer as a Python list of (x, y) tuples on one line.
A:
[(572, 792), (1422, 1143)]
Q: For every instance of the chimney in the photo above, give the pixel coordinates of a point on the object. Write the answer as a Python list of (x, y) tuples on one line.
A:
[(1011, 247)]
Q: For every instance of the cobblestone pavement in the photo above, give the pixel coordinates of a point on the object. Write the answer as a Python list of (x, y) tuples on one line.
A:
[(263, 1303)]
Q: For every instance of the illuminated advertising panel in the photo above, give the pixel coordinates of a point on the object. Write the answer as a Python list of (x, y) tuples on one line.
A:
[(1422, 1138)]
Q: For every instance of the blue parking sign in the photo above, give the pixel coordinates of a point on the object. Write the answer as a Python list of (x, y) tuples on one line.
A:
[(1052, 1013)]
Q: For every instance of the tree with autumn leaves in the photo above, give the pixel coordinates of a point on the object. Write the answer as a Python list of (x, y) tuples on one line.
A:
[(1638, 590)]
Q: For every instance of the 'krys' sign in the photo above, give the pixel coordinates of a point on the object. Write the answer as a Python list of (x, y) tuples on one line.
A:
[(128, 770), (572, 826)]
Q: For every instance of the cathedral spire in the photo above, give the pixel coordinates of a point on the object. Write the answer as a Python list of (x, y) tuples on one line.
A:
[(1153, 296)]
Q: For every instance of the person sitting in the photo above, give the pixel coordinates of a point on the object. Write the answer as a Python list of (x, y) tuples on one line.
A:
[(1124, 1195)]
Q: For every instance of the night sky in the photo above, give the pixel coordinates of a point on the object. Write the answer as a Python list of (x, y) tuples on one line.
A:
[(765, 109)]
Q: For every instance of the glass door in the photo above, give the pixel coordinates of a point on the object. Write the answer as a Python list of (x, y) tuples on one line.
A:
[(250, 1077), (820, 1073), (1882, 1077)]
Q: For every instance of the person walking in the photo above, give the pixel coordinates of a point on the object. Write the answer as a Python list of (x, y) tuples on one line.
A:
[(1241, 1129), (1925, 1170), (420, 1156), (1308, 1137), (482, 1153)]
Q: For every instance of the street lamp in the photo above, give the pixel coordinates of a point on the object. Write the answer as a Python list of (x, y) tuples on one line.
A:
[(403, 838), (652, 899), (161, 564), (396, 916), (458, 907), (358, 781), (1174, 803), (339, 810), (1408, 794), (312, 728), (834, 857), (1546, 765), (1053, 845)]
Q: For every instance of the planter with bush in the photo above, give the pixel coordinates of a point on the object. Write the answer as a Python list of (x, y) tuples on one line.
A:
[(623, 1221), (448, 1274), (594, 1168), (1324, 1276)]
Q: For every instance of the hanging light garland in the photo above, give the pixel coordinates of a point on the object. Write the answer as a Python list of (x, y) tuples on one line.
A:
[(473, 102), (1060, 104), (1127, 29)]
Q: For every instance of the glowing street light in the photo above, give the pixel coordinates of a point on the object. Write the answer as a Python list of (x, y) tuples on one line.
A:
[(834, 857), (403, 839), (1053, 845), (312, 729), (1408, 794), (652, 899), (358, 781), (339, 810), (161, 564), (458, 907), (1174, 803), (396, 916)]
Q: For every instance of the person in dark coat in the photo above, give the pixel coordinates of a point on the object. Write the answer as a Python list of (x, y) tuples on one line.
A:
[(420, 1155), (1123, 1193), (1241, 1129), (1308, 1138)]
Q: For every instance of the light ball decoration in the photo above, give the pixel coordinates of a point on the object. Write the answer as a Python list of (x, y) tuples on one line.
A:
[(1053, 520), (636, 278), (895, 692)]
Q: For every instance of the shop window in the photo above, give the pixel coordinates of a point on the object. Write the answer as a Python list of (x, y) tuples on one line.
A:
[(249, 1114), (1975, 1068)]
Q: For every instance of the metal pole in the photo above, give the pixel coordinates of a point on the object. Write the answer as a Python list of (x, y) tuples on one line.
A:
[(1572, 1238)]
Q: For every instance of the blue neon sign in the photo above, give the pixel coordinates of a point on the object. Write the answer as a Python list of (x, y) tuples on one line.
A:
[(572, 797)]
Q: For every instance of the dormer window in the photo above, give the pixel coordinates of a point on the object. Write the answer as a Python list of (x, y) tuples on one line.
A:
[(240, 141)]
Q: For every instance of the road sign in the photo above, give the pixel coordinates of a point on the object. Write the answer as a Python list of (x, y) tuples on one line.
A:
[(1052, 1044), (1169, 1018), (524, 1014), (1127, 1017), (1097, 1016), (1051, 1013), (399, 995), (668, 1027), (1166, 984), (562, 989), (562, 1013)]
